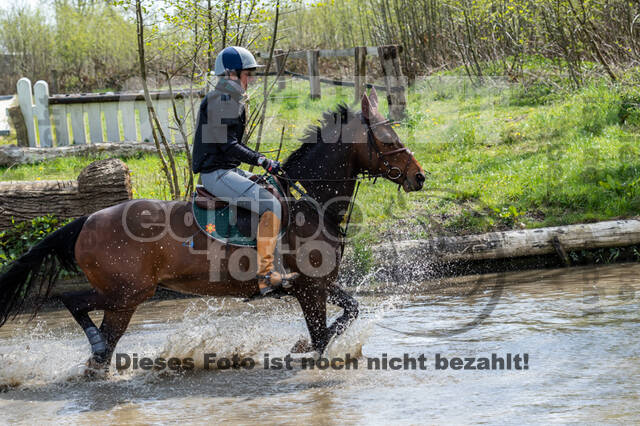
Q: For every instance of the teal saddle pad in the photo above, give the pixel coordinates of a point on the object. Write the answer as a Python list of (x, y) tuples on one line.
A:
[(218, 223)]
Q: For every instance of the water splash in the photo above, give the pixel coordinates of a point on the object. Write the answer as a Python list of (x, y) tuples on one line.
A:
[(52, 350)]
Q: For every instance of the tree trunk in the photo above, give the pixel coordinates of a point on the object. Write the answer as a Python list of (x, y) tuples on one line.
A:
[(101, 184), (172, 177), (11, 155), (511, 244)]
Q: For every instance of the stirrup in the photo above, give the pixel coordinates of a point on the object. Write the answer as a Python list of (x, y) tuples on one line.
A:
[(285, 283), (267, 278), (269, 291)]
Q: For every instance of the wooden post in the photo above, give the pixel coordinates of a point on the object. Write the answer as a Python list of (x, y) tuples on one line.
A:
[(110, 110), (314, 73), (360, 72), (17, 121), (518, 243), (394, 81), (41, 95), (127, 106), (279, 57), (11, 155), (25, 98), (145, 122), (95, 122), (77, 124)]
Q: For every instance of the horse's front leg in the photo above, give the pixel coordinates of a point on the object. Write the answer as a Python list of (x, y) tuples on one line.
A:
[(336, 296), (339, 297), (313, 301)]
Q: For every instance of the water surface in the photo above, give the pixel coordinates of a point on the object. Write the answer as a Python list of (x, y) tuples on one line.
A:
[(579, 327)]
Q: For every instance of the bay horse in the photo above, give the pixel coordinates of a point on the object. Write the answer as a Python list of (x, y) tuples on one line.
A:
[(126, 251)]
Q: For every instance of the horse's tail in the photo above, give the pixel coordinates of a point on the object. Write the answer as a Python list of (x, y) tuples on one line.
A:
[(41, 264)]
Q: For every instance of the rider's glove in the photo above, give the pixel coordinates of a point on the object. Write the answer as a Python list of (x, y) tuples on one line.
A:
[(272, 166)]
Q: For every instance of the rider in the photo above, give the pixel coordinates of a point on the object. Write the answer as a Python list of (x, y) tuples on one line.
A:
[(219, 149)]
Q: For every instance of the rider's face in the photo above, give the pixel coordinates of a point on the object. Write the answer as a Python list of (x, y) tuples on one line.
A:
[(246, 77)]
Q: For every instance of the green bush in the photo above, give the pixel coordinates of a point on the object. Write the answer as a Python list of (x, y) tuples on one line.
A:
[(17, 240), (532, 95), (598, 107), (362, 256), (629, 112)]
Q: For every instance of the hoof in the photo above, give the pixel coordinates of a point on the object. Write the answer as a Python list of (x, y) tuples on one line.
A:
[(302, 346), (96, 367), (90, 373)]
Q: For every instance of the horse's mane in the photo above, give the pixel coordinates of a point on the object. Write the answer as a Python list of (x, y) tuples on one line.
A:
[(312, 138)]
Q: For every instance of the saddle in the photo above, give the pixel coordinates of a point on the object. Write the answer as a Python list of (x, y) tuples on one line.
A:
[(207, 201), (218, 215)]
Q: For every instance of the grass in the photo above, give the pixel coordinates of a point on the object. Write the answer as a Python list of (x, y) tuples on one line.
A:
[(499, 156), (9, 140)]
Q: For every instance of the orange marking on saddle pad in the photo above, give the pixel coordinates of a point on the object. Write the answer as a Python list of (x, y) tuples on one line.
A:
[(211, 228)]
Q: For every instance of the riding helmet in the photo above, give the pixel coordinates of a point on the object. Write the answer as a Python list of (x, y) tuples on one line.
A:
[(234, 58)]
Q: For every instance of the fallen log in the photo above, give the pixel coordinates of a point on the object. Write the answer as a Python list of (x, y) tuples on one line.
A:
[(12, 155), (101, 184), (520, 243)]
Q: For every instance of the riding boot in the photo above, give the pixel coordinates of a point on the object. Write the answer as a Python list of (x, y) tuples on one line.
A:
[(268, 279)]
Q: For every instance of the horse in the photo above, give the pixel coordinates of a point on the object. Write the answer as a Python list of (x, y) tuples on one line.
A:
[(128, 250)]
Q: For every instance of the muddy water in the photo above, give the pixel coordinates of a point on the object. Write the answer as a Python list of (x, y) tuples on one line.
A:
[(579, 327)]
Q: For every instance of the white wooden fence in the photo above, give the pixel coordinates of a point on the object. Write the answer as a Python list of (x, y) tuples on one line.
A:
[(91, 118)]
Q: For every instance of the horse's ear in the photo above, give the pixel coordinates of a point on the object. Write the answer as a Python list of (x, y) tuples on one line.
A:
[(367, 108), (373, 98)]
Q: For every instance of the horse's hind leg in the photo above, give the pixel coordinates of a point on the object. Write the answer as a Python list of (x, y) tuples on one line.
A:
[(80, 303), (114, 323), (113, 326)]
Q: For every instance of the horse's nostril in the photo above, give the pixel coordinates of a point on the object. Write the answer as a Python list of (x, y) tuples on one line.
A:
[(420, 178)]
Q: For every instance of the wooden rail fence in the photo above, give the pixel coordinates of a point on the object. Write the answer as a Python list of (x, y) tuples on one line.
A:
[(119, 117), (394, 82)]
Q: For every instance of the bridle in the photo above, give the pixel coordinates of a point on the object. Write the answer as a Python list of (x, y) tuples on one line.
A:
[(392, 173)]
